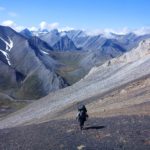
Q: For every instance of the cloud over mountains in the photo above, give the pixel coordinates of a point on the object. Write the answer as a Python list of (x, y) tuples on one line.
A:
[(43, 25)]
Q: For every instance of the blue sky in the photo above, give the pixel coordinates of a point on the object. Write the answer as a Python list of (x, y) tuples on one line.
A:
[(79, 14)]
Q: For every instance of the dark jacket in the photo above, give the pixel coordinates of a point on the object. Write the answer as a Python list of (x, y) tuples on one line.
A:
[(82, 114)]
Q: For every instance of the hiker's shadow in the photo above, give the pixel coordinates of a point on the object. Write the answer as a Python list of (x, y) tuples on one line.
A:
[(94, 127)]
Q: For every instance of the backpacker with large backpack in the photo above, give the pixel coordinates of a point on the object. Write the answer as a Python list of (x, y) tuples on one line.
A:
[(82, 115)]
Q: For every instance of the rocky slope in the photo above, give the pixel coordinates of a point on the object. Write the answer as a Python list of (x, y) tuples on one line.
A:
[(123, 132), (101, 80)]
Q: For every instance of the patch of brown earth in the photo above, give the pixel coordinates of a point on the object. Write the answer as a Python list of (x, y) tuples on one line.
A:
[(132, 99)]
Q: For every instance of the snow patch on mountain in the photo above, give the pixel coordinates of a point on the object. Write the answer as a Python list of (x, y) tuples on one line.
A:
[(7, 56), (9, 45), (44, 52)]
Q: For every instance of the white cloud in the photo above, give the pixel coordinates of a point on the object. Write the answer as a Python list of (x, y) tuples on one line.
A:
[(107, 31), (13, 25), (49, 26), (123, 31), (142, 31), (43, 25), (19, 28), (33, 28), (12, 14), (9, 23), (2, 8), (66, 29)]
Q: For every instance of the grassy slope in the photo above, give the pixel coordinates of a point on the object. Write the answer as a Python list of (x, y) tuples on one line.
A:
[(70, 69), (25, 92), (9, 105)]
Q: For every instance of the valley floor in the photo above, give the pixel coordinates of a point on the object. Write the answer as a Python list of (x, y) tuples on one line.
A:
[(7, 107), (114, 133)]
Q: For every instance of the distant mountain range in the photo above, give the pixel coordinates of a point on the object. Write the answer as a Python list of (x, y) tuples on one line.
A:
[(80, 39), (97, 48), (36, 63)]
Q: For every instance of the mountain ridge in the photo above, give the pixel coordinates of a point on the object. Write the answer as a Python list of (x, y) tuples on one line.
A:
[(25, 56)]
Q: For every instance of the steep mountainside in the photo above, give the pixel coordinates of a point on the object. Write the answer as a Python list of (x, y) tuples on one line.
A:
[(64, 44), (114, 74), (24, 63), (26, 58), (51, 37), (130, 40), (26, 33), (79, 37)]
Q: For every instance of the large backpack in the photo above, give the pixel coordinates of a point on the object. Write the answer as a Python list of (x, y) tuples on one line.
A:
[(82, 115), (82, 108)]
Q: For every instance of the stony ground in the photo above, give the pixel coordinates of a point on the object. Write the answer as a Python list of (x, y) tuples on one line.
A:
[(115, 133), (131, 99), (119, 120)]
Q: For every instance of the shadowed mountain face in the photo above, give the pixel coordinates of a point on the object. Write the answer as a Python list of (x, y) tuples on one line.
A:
[(65, 44), (26, 33), (39, 44), (27, 71), (51, 37)]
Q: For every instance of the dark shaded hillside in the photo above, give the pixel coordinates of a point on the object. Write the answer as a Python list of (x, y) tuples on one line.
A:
[(117, 133), (65, 44), (70, 69)]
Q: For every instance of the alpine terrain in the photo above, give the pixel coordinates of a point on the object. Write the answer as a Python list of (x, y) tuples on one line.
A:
[(46, 75)]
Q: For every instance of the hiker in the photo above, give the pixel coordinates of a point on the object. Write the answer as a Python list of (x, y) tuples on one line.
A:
[(82, 115)]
